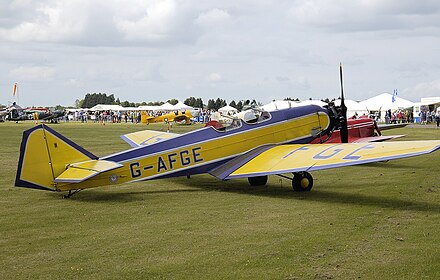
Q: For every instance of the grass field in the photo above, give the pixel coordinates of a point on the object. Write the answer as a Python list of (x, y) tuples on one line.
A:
[(377, 221)]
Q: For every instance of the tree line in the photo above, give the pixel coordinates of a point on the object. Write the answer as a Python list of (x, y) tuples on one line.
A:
[(92, 99)]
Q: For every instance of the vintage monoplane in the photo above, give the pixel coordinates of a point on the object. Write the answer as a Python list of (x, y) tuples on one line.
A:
[(272, 143), (177, 117), (17, 113)]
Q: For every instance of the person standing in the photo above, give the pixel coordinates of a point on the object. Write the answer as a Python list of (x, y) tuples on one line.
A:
[(437, 117)]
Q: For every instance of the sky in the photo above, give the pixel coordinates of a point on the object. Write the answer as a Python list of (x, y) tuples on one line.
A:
[(151, 50)]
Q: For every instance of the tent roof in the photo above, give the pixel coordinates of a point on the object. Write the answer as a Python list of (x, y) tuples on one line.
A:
[(352, 105), (105, 107), (384, 102), (182, 106), (227, 109), (166, 106), (313, 102), (278, 105)]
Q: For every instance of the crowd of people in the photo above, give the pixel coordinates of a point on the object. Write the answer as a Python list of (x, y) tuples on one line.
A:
[(399, 116), (135, 117), (427, 117), (391, 117)]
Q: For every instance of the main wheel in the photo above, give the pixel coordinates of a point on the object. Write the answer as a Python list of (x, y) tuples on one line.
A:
[(257, 181), (302, 181)]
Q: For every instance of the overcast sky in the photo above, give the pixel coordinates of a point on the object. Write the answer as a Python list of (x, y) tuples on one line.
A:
[(152, 50)]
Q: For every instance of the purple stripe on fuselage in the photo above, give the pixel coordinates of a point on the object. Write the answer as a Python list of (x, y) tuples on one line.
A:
[(209, 133)]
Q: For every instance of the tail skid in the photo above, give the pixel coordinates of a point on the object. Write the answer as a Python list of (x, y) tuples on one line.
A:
[(44, 155)]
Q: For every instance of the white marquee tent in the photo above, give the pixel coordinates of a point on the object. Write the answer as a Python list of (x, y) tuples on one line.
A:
[(228, 110), (384, 102), (182, 106), (353, 107), (105, 107)]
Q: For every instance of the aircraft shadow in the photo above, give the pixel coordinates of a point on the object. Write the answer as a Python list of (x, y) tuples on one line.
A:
[(128, 196), (208, 184), (388, 165), (318, 195)]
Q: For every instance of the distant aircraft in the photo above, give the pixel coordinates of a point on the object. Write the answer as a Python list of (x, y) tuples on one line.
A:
[(275, 143), (178, 117), (17, 113), (45, 115)]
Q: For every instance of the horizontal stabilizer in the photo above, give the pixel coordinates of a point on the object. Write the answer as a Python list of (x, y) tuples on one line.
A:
[(295, 158), (78, 172), (146, 137)]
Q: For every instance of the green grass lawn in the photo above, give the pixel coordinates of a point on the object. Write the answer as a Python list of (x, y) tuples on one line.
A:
[(377, 221)]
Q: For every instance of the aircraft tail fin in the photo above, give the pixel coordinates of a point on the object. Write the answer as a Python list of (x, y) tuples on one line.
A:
[(44, 155)]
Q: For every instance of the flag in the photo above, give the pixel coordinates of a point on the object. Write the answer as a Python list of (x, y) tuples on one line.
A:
[(393, 99), (14, 91)]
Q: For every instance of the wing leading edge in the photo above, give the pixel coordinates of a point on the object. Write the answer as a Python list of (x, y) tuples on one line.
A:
[(295, 158), (146, 137)]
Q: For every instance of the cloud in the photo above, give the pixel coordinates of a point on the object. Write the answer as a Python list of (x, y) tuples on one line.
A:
[(213, 18), (153, 21), (424, 89), (32, 73), (98, 23), (214, 77), (368, 15)]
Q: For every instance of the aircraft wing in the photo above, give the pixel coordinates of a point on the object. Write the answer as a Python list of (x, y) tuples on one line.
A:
[(377, 138), (392, 126), (295, 158), (146, 137)]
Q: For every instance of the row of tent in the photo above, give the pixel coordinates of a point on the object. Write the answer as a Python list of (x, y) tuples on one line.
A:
[(380, 103), (377, 104)]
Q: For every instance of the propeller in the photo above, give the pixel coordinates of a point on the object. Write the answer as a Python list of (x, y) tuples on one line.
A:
[(343, 116)]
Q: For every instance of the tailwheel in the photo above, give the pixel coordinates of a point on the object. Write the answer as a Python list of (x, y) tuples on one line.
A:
[(257, 181), (71, 192), (302, 181)]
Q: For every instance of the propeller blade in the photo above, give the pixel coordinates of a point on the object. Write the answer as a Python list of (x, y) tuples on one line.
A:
[(344, 126)]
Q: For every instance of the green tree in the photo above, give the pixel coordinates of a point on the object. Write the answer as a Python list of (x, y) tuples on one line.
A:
[(232, 104), (173, 101), (199, 103), (92, 99), (190, 101), (239, 105), (211, 104)]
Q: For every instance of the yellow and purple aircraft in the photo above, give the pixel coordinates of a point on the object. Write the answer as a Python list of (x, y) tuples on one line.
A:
[(273, 143), (276, 143)]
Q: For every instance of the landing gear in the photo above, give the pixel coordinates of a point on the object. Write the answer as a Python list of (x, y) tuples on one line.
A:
[(302, 181), (71, 192), (257, 181)]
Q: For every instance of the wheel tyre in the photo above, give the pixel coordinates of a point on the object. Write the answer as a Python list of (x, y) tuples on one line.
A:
[(302, 182), (257, 181)]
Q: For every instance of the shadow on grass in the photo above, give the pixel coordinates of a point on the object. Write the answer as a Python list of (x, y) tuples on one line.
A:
[(208, 184), (326, 196), (96, 195)]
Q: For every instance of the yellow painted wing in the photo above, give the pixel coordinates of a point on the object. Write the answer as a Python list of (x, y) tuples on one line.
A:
[(78, 172), (295, 158), (146, 137)]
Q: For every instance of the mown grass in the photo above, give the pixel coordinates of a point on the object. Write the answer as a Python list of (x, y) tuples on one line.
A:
[(378, 221)]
